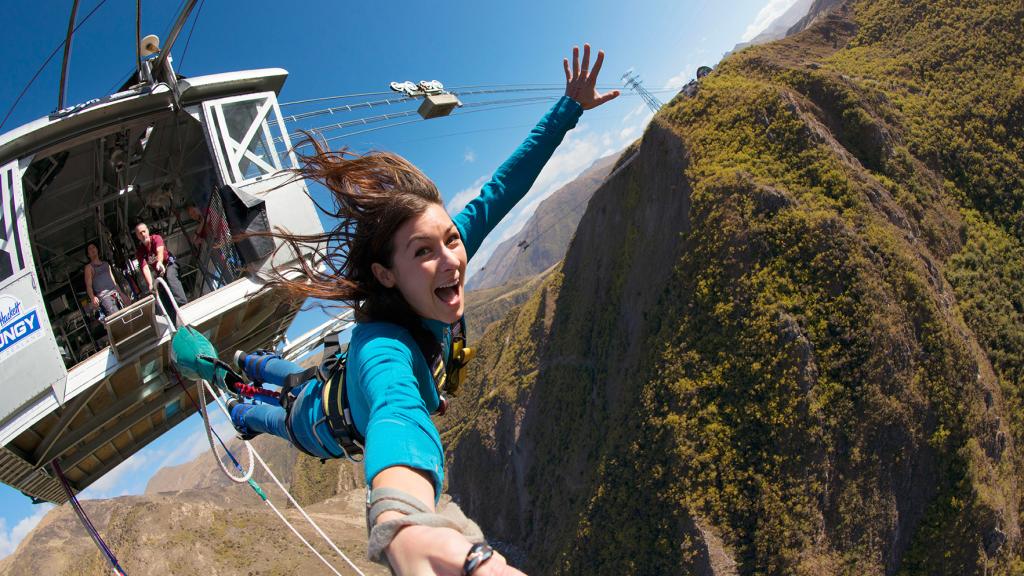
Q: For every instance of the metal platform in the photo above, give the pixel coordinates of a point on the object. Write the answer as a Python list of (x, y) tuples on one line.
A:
[(117, 404)]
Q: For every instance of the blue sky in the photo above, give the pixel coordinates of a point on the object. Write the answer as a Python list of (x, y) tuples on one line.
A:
[(332, 48)]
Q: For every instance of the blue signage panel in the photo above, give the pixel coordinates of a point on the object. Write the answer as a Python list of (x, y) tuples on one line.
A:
[(18, 327)]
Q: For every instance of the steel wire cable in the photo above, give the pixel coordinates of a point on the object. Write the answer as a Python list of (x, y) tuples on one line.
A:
[(467, 87), (417, 120), (388, 102), (404, 113), (83, 518), (199, 12), (47, 61)]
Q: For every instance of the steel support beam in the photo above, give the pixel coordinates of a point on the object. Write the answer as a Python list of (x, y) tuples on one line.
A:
[(153, 434), (70, 412), (138, 415), (116, 410)]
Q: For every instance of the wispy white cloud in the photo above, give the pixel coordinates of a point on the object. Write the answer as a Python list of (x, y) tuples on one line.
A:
[(191, 447), (132, 475), (689, 72), (462, 197), (635, 113), (123, 479), (9, 539), (627, 133), (771, 10), (469, 156)]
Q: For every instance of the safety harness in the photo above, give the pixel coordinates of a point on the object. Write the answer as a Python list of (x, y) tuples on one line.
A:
[(448, 377)]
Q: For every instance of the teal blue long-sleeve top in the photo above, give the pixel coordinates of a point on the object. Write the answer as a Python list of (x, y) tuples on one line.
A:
[(390, 389)]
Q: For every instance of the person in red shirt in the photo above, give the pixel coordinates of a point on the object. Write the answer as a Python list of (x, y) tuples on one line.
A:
[(155, 261)]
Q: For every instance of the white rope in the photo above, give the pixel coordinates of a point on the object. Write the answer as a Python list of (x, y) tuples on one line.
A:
[(306, 516), (209, 435), (179, 320), (254, 456), (304, 541)]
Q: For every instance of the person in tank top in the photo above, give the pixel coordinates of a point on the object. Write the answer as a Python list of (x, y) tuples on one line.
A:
[(104, 293)]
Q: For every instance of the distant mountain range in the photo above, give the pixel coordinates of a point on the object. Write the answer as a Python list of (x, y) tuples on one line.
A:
[(193, 520), (781, 26), (544, 239)]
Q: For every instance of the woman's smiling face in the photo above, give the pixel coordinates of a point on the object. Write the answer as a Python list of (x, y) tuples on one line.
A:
[(428, 265)]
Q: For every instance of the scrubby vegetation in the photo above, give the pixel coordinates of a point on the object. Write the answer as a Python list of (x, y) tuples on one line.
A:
[(829, 378)]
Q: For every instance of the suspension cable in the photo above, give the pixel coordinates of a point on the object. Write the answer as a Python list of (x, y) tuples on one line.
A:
[(47, 61), (387, 102), (345, 108), (363, 94), (416, 120), (83, 518), (404, 113), (390, 101), (199, 11), (526, 102)]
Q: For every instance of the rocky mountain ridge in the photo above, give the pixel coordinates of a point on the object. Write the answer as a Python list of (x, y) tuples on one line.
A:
[(787, 339)]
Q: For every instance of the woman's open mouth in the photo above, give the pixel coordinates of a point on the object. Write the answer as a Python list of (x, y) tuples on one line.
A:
[(448, 293)]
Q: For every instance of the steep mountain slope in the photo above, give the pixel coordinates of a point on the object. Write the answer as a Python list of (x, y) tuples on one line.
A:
[(203, 473), (788, 338), (486, 306), (193, 520), (225, 532), (818, 9), (543, 240)]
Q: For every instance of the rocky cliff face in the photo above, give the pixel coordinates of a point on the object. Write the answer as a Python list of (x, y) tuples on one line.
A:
[(486, 306), (818, 9), (787, 338)]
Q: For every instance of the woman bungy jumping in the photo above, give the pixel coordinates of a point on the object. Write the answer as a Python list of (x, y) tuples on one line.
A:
[(399, 261)]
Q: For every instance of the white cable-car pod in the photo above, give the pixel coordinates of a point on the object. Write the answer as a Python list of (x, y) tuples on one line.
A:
[(91, 393)]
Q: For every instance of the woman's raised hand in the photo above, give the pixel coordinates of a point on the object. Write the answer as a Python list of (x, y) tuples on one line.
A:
[(581, 82)]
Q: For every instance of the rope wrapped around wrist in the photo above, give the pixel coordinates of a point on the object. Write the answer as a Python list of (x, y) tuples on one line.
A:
[(416, 514)]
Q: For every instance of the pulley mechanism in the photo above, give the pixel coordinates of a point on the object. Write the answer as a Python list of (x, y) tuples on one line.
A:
[(436, 101)]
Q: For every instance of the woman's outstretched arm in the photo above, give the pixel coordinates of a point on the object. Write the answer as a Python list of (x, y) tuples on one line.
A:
[(513, 179), (443, 551)]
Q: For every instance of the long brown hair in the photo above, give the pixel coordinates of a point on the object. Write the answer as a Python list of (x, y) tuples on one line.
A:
[(373, 195)]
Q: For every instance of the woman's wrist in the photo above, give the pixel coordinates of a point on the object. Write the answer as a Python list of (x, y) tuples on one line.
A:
[(443, 549)]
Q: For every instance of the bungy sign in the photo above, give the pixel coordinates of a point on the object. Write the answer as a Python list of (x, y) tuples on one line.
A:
[(18, 327)]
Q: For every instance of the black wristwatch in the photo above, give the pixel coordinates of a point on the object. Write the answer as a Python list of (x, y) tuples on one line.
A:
[(478, 554)]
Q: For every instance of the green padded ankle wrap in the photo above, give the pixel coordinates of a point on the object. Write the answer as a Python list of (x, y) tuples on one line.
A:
[(188, 348)]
